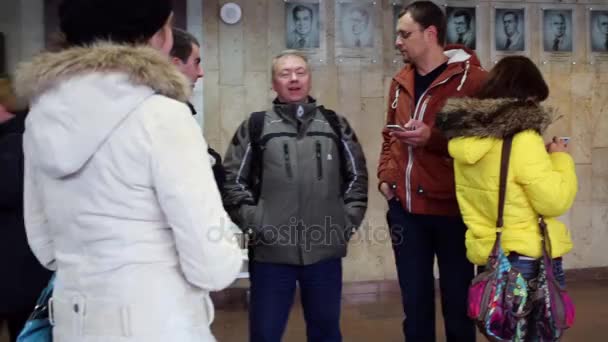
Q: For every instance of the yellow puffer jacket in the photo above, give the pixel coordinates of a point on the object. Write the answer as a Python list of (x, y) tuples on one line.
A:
[(538, 183)]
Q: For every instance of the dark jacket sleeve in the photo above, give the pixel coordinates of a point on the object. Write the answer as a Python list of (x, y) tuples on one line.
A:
[(356, 182), (239, 199), (218, 169)]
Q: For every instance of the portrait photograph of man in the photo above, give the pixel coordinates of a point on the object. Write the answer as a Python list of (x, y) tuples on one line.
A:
[(302, 23), (510, 29), (599, 31), (461, 26), (557, 30), (356, 25)]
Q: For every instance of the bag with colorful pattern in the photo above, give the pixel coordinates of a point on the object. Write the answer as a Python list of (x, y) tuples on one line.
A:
[(498, 296), (554, 310)]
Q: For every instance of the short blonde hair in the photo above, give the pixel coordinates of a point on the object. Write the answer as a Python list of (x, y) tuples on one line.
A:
[(286, 53)]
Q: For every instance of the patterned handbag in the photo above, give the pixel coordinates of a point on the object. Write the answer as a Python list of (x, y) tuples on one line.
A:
[(498, 296), (554, 310)]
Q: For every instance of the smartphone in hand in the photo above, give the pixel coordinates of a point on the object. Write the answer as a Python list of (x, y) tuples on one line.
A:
[(398, 128)]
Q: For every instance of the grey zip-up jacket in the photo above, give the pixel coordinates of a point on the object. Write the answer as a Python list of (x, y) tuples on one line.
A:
[(309, 204)]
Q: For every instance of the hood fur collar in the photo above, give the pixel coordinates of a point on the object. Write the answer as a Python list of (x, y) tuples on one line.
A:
[(144, 65), (498, 118)]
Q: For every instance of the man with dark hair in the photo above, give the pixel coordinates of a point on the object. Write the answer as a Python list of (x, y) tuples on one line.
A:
[(417, 178), (186, 56), (462, 27), (302, 36), (514, 41)]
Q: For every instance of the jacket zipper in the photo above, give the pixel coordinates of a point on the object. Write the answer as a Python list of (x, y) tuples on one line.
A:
[(319, 161), (287, 160), (418, 113)]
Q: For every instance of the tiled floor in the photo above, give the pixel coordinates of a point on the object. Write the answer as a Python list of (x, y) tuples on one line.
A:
[(373, 318)]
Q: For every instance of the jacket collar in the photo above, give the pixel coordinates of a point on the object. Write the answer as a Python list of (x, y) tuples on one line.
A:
[(497, 118), (144, 66), (295, 111)]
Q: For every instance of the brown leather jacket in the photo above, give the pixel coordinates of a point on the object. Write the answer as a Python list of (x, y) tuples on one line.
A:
[(423, 177)]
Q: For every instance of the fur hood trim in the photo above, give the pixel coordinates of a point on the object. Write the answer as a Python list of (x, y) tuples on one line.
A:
[(497, 118), (144, 66)]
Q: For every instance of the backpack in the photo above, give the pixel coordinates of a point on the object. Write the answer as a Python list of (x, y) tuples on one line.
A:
[(256, 127)]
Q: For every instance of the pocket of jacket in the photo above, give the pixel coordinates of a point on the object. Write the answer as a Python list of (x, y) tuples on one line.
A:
[(435, 194), (319, 160), (252, 215), (287, 160)]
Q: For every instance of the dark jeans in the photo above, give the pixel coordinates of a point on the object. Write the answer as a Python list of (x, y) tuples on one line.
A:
[(15, 323), (272, 294), (416, 241), (529, 268)]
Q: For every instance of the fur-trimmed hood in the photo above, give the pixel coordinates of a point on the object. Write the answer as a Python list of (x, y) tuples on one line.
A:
[(497, 118), (79, 96), (143, 65)]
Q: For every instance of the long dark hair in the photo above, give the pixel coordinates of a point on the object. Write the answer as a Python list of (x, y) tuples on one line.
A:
[(514, 77)]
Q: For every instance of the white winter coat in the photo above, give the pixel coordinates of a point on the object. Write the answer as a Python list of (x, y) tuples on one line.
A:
[(120, 197)]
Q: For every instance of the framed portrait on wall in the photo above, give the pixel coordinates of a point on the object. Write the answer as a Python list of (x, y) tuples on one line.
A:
[(356, 25), (510, 30), (598, 31), (302, 28), (557, 30), (461, 26), (358, 29)]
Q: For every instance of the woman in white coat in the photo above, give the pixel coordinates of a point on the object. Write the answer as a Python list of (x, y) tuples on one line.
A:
[(119, 194)]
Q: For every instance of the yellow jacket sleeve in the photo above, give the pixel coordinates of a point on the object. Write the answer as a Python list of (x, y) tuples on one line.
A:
[(549, 180)]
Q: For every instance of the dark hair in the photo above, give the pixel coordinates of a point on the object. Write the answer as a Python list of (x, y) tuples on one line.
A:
[(300, 8), (515, 16), (427, 13), (133, 21), (514, 77), (182, 44), (465, 14)]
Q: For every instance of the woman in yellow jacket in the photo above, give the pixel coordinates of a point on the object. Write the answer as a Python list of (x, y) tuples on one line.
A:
[(541, 178)]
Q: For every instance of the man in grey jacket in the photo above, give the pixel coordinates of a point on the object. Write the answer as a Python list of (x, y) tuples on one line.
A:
[(296, 181)]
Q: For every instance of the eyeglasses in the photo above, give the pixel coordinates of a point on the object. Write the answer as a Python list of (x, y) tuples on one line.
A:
[(404, 35)]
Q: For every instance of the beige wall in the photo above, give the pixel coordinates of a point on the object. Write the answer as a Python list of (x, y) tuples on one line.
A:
[(237, 82)]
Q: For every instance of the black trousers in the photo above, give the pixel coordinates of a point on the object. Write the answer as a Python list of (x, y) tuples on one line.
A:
[(416, 241), (15, 322)]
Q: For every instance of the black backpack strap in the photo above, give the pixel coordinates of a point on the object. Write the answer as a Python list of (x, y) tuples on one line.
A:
[(334, 122), (256, 127)]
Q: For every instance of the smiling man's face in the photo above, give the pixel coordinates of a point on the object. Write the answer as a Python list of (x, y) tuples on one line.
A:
[(291, 79)]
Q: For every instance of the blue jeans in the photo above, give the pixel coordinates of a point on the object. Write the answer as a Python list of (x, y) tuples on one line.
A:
[(529, 268), (272, 294), (416, 241)]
